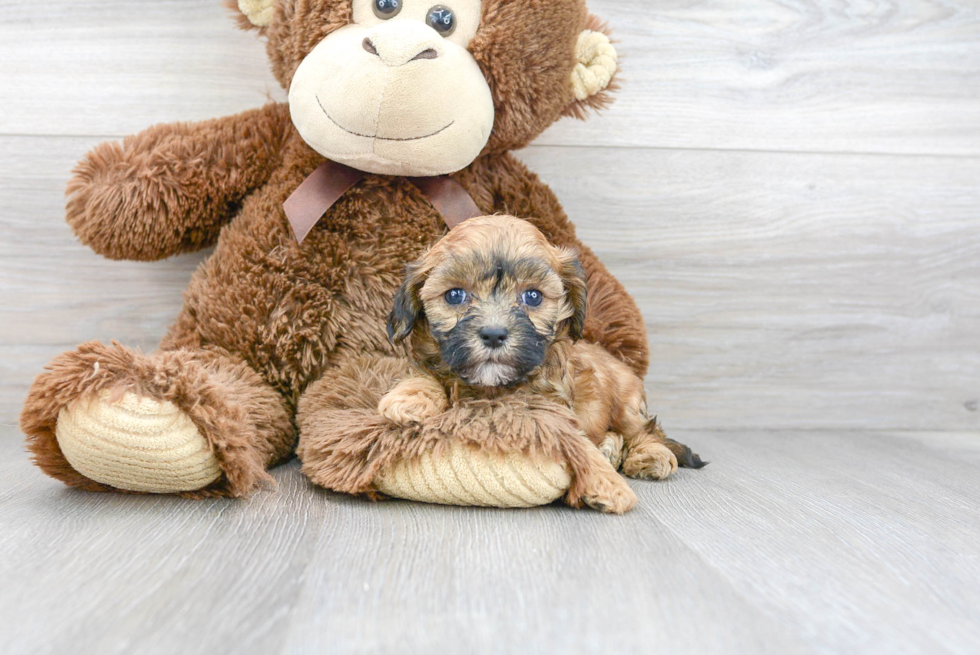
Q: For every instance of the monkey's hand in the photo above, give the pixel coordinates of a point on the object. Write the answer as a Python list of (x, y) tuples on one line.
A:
[(414, 400), (171, 188)]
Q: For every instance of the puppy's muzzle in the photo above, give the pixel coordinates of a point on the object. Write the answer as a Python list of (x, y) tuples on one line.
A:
[(494, 337)]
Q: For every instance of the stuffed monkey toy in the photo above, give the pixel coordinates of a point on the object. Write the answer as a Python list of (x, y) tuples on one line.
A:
[(400, 120)]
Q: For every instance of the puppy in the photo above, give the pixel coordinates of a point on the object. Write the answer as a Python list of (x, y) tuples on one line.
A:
[(493, 308)]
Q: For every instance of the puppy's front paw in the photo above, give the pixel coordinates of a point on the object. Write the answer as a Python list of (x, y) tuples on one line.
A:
[(403, 410), (413, 401), (609, 494), (602, 487), (652, 461)]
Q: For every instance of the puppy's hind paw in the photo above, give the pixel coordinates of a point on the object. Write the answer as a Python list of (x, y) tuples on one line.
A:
[(651, 461), (612, 448)]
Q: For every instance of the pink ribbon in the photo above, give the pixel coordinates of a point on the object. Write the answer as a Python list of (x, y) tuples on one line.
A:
[(330, 181)]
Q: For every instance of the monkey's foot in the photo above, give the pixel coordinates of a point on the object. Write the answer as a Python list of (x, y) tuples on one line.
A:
[(135, 443), (468, 476)]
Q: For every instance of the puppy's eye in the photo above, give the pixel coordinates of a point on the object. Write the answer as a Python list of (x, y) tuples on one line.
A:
[(386, 9), (532, 298), (442, 20), (455, 296)]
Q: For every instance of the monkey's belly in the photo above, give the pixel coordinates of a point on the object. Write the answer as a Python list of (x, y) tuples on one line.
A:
[(293, 310)]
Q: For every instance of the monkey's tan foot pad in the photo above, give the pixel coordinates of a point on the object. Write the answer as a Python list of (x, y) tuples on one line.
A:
[(136, 444), (651, 461), (470, 477)]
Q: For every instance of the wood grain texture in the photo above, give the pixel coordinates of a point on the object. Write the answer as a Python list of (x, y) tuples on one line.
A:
[(781, 290), (788, 290), (884, 76), (114, 67), (789, 542), (123, 574), (800, 75)]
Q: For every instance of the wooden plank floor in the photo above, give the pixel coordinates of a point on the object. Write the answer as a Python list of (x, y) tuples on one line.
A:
[(789, 542)]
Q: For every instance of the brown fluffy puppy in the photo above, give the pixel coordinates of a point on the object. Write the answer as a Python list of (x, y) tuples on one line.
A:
[(493, 308)]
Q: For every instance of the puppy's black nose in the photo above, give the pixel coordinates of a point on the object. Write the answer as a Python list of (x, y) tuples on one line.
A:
[(493, 337)]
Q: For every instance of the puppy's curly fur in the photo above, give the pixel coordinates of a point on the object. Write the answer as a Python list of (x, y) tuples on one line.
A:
[(494, 308)]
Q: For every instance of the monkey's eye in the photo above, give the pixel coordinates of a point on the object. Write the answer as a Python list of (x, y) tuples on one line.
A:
[(455, 297), (533, 298), (442, 20), (385, 9)]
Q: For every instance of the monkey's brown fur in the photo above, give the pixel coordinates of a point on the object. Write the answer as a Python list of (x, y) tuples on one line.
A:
[(494, 260), (265, 318)]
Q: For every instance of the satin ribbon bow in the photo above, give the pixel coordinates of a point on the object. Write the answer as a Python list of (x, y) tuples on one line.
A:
[(330, 181)]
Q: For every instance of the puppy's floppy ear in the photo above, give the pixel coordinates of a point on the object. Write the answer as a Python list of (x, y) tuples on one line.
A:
[(407, 309), (576, 290)]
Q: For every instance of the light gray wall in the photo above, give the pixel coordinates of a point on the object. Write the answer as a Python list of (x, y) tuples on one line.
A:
[(790, 189)]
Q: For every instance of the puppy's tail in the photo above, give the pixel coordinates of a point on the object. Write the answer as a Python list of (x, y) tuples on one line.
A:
[(685, 457)]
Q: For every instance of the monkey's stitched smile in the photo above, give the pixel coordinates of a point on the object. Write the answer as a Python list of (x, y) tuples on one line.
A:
[(375, 136)]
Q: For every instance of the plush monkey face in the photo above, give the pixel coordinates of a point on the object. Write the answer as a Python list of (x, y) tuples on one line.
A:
[(424, 87), (357, 97)]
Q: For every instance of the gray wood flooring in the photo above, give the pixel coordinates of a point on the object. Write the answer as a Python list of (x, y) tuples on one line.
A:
[(789, 542), (790, 189)]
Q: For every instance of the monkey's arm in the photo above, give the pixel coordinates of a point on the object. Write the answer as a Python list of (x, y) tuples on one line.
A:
[(613, 320), (170, 189)]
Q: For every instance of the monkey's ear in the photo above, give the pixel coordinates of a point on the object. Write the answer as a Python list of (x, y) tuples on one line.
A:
[(253, 13), (407, 309), (576, 291), (596, 64)]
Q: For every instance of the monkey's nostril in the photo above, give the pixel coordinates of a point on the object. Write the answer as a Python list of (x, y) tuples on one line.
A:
[(493, 337), (370, 47), (426, 54)]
